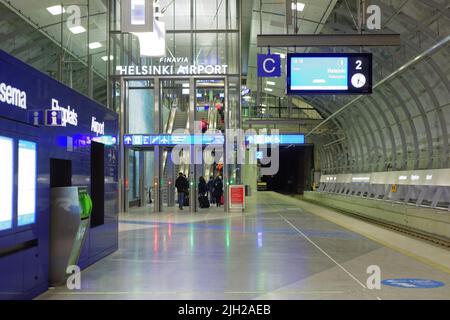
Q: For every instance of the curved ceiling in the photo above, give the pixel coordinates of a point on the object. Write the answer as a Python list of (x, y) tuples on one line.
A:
[(405, 123)]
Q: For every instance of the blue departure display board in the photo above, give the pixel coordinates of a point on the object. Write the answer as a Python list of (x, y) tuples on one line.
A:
[(6, 183), (314, 73), (27, 176), (172, 140)]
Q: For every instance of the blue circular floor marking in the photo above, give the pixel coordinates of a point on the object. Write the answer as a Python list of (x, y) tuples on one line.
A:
[(413, 283)]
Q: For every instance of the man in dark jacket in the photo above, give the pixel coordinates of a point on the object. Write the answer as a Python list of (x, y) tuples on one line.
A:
[(182, 186), (211, 189), (218, 190)]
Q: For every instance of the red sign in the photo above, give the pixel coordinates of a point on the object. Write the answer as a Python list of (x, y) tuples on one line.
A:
[(237, 197)]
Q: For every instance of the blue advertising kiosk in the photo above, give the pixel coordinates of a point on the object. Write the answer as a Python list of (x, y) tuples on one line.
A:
[(51, 138)]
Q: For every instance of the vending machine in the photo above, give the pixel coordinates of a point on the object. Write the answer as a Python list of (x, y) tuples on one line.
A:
[(71, 209)]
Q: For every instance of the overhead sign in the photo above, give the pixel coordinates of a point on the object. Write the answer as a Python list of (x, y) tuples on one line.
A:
[(269, 65), (172, 140), (318, 73), (413, 283), (137, 15), (282, 139)]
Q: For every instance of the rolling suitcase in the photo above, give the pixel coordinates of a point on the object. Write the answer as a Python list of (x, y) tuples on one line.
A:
[(204, 202)]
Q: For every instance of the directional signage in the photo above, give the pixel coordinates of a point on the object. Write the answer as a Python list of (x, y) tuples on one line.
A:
[(54, 118), (269, 65), (172, 140), (329, 73)]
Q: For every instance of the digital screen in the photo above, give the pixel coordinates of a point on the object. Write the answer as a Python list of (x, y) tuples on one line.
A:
[(329, 73), (319, 74), (6, 183), (27, 177), (138, 12)]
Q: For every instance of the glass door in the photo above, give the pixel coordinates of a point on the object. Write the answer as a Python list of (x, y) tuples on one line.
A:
[(174, 103), (211, 117)]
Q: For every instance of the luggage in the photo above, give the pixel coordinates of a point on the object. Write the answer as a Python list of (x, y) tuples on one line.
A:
[(204, 202), (222, 200)]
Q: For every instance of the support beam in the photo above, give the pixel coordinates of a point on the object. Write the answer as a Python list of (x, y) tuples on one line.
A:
[(329, 40)]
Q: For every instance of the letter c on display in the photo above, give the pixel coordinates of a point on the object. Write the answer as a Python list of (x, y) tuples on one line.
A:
[(265, 65)]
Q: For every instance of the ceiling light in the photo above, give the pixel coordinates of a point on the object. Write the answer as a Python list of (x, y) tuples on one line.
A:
[(56, 10), (77, 30), (268, 89), (186, 85), (299, 6), (105, 58), (95, 45), (282, 55), (270, 83)]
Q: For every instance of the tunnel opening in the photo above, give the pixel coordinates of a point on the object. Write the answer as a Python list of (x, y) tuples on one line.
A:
[(296, 171)]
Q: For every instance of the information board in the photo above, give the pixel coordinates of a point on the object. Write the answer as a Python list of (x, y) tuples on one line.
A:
[(27, 177), (6, 183), (315, 73)]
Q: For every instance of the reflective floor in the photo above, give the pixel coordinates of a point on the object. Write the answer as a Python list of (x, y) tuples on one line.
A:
[(282, 248)]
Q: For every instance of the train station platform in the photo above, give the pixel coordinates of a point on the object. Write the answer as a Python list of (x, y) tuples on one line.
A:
[(280, 248)]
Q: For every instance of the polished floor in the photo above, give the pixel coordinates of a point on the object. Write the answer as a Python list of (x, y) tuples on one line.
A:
[(281, 248)]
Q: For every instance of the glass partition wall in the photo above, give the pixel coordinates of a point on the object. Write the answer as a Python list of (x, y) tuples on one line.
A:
[(197, 33)]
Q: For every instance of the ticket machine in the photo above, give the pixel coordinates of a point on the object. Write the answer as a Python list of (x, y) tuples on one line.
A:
[(71, 209)]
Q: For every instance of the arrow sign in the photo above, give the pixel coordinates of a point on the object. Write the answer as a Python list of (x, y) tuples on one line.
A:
[(128, 140)]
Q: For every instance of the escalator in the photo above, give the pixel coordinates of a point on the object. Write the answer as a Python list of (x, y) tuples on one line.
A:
[(177, 120)]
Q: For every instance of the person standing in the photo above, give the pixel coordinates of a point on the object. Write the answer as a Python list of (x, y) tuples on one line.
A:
[(210, 186), (218, 190), (182, 185), (202, 187), (203, 194)]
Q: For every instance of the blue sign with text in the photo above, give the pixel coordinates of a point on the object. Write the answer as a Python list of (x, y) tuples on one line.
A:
[(269, 65), (172, 140), (413, 283)]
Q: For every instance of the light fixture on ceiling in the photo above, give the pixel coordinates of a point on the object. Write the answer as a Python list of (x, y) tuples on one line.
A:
[(77, 29), (56, 10), (270, 83), (299, 6), (282, 55), (268, 89), (105, 58), (95, 45)]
